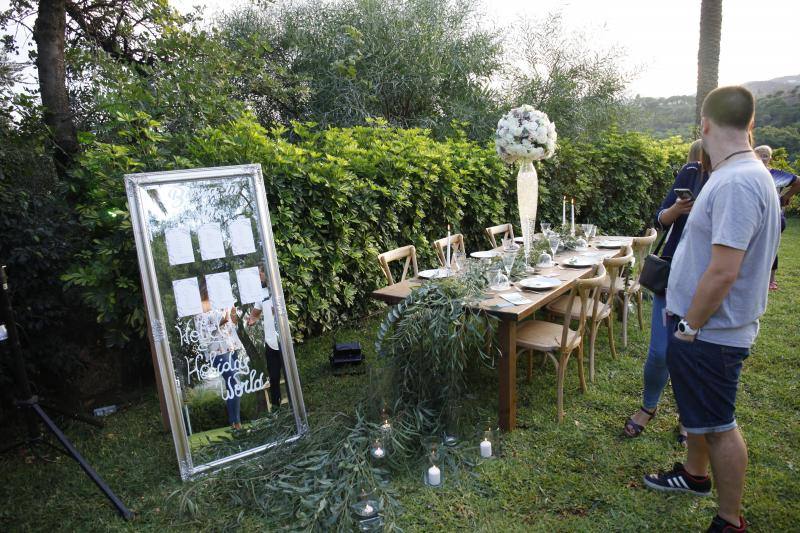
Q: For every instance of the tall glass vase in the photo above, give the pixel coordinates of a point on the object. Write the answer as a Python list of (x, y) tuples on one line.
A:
[(527, 202)]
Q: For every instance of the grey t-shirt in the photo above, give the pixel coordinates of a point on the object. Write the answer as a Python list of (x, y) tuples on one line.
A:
[(738, 208)]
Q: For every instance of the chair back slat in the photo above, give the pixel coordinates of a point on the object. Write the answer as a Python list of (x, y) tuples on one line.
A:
[(456, 243), (615, 266), (506, 229), (585, 290), (409, 253), (641, 249)]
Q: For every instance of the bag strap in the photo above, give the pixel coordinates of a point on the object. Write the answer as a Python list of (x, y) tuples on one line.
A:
[(661, 242)]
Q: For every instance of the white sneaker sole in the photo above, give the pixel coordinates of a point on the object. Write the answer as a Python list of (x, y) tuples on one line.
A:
[(662, 488)]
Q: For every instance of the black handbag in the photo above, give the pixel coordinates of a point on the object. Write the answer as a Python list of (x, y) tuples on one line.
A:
[(655, 271)]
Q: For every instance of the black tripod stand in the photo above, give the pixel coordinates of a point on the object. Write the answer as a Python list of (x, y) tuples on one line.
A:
[(33, 410)]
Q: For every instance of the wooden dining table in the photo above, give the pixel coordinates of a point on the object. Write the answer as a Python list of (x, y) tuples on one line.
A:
[(509, 317)]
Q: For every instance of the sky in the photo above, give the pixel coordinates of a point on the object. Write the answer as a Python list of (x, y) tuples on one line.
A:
[(659, 37)]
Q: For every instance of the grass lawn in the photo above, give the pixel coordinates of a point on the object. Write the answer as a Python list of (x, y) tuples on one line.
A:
[(581, 475)]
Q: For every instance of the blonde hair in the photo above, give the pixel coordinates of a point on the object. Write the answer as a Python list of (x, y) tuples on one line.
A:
[(695, 152)]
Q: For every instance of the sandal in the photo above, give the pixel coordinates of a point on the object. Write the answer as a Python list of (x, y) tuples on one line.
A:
[(632, 429)]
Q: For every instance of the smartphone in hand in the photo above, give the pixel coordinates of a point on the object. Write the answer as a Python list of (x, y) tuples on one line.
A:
[(684, 194)]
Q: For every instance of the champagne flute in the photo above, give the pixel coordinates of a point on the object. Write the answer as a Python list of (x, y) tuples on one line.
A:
[(555, 242), (508, 261)]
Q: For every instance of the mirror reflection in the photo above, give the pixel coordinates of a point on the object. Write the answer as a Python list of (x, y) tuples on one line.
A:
[(211, 268)]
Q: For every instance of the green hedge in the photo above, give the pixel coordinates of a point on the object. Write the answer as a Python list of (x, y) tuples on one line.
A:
[(340, 196)]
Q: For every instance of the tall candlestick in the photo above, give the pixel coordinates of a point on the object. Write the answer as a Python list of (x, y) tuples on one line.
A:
[(564, 212), (572, 218), (447, 265)]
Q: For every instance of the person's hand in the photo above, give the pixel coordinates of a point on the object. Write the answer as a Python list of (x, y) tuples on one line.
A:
[(685, 338), (682, 207), (234, 315)]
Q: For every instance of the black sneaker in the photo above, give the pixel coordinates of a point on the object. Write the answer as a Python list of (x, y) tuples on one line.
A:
[(720, 525), (679, 480)]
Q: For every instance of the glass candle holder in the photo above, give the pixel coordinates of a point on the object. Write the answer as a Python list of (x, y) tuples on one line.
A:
[(386, 426), (433, 475), (366, 512), (377, 450), (486, 445)]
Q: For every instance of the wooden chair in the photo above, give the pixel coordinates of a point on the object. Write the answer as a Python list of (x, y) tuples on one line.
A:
[(618, 269), (506, 229), (628, 289), (409, 253), (456, 243), (599, 310), (551, 338)]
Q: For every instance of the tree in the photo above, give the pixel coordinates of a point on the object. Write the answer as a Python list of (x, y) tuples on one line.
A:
[(556, 71), (708, 52), (415, 63), (49, 34), (123, 29)]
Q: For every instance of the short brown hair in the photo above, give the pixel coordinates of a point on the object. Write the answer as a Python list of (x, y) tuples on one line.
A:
[(732, 106)]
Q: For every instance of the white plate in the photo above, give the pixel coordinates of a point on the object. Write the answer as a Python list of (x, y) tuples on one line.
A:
[(579, 262), (582, 249), (539, 283), (486, 254), (610, 244), (434, 273), (519, 240)]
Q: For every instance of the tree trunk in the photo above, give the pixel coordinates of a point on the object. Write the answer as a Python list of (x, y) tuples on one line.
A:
[(49, 34), (708, 52)]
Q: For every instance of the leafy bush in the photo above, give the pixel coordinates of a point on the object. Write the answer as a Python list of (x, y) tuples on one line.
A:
[(340, 196)]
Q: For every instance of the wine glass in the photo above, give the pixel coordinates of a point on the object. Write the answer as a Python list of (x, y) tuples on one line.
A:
[(545, 227), (555, 242), (508, 261), (587, 229), (459, 260)]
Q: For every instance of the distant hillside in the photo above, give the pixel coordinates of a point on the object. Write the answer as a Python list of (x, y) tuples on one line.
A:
[(763, 88), (777, 114)]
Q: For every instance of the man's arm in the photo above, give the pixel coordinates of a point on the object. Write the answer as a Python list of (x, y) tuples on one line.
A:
[(714, 286), (793, 189)]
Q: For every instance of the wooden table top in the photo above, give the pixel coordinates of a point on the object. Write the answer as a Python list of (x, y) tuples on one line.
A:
[(398, 292)]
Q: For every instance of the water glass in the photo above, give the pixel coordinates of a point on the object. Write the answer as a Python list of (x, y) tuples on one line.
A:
[(508, 261)]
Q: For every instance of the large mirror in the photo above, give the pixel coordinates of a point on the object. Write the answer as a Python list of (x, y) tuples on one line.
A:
[(216, 313)]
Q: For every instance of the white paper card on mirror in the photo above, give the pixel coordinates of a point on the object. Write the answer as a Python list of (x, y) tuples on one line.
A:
[(220, 294), (249, 283), (211, 246), (242, 236), (187, 297), (179, 246)]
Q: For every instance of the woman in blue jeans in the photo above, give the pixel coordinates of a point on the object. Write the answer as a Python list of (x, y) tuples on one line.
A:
[(671, 216)]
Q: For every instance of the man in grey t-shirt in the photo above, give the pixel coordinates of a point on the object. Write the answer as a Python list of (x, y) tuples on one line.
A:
[(717, 290)]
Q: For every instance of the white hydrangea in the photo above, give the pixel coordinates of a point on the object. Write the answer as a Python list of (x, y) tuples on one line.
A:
[(525, 133)]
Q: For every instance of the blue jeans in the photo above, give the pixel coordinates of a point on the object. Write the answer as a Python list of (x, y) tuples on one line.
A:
[(233, 402), (656, 373)]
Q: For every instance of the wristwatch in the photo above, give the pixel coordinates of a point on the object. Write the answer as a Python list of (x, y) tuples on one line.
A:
[(686, 329)]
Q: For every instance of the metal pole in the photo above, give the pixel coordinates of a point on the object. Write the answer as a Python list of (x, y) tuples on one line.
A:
[(32, 402)]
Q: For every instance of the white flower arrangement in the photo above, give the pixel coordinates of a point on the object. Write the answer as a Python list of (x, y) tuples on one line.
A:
[(525, 133)]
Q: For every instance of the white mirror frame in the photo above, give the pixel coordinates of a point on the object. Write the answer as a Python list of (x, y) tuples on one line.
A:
[(134, 185)]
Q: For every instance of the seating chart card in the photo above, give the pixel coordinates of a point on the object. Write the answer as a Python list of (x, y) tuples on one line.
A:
[(219, 290), (179, 246), (249, 283), (242, 236), (187, 297), (211, 246)]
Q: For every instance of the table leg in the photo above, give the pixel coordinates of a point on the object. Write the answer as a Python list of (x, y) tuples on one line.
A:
[(507, 369)]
